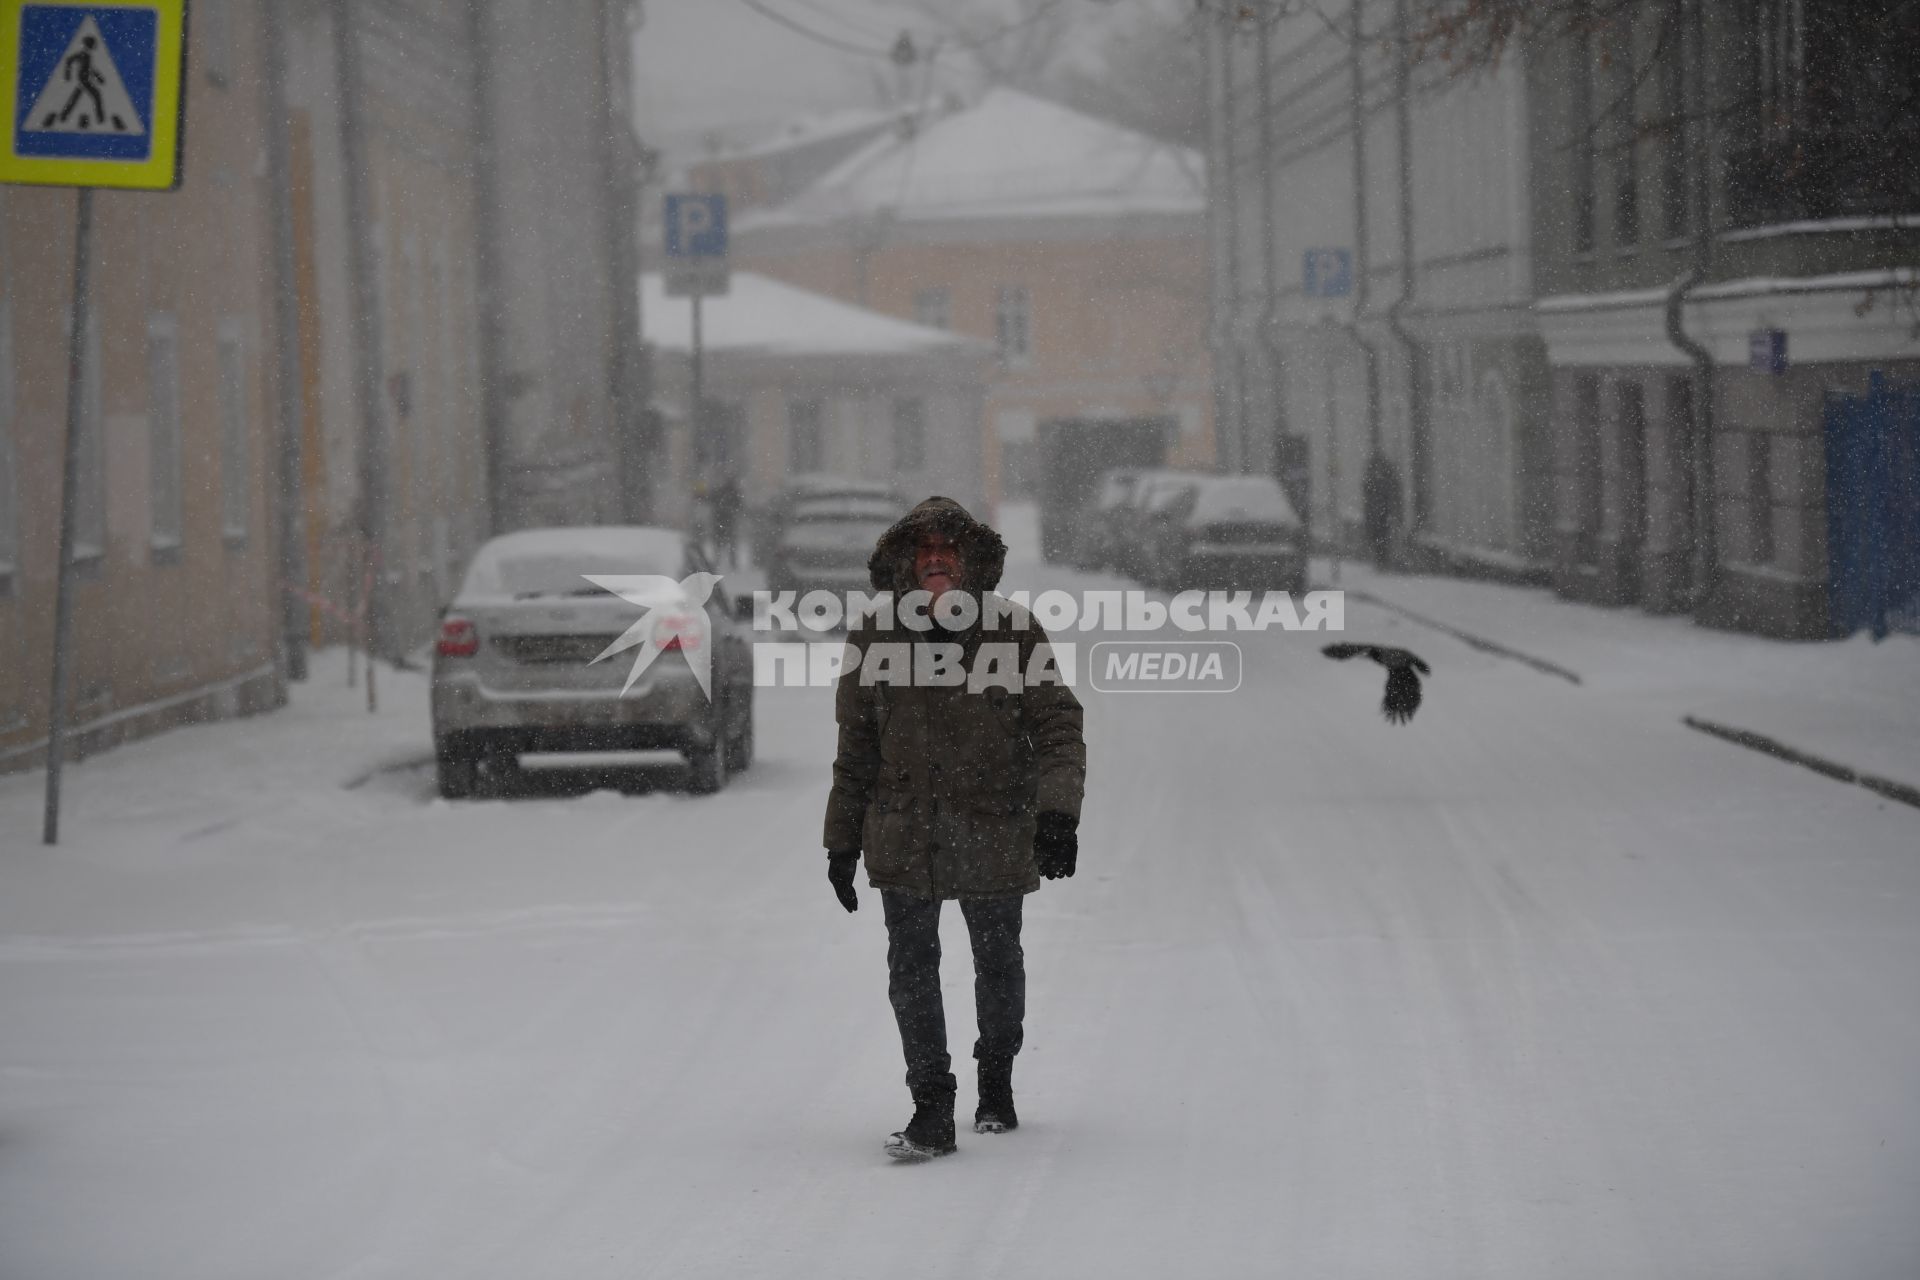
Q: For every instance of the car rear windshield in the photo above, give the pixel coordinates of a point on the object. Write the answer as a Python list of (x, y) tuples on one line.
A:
[(1256, 498), (524, 568), (847, 507), (1166, 495)]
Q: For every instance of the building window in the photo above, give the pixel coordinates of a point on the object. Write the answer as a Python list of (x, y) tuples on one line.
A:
[(213, 24), (1589, 499), (235, 491), (1679, 456), (909, 435), (1631, 440), (1580, 184), (803, 435), (163, 434), (1013, 325), (90, 478), (9, 484), (1673, 121), (1824, 98), (1624, 105), (933, 308), (1760, 495)]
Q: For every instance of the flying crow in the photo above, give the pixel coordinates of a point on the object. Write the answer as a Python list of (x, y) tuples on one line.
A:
[(1403, 686)]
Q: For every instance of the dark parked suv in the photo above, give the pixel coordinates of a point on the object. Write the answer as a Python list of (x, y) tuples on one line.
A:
[(1228, 533)]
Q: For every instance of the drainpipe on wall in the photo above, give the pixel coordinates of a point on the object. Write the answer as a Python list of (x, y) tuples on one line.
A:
[(1230, 428), (1418, 427), (1705, 559), (1705, 551), (618, 179), (289, 503), (1362, 253), (487, 283), (365, 325), (1269, 255)]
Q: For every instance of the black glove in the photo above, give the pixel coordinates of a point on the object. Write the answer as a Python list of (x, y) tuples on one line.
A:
[(841, 864), (1055, 846)]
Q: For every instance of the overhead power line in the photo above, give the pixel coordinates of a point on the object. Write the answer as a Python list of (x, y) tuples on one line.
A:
[(818, 37)]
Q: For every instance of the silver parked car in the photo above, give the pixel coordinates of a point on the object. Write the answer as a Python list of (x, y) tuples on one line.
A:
[(514, 670)]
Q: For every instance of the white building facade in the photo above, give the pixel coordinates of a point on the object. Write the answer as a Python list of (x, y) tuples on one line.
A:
[(1372, 280)]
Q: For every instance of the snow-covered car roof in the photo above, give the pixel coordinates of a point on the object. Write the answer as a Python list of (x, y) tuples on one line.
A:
[(1250, 498), (534, 562)]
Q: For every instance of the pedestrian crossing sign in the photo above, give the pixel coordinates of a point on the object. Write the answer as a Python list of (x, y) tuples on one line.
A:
[(93, 92)]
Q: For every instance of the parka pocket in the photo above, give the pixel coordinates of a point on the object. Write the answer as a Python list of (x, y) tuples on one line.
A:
[(998, 839), (887, 834)]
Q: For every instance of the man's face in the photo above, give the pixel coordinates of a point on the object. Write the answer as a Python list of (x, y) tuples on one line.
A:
[(936, 563)]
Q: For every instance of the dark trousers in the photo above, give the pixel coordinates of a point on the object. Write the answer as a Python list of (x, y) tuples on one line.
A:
[(913, 983)]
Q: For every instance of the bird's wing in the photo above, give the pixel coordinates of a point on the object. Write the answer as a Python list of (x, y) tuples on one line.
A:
[(1341, 652)]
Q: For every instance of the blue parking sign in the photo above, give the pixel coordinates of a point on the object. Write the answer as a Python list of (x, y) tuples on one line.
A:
[(696, 226), (1327, 273)]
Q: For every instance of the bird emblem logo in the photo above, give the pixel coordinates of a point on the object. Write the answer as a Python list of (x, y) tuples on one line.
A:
[(675, 616)]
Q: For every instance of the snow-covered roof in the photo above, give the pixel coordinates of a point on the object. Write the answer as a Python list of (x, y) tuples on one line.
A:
[(819, 127), (760, 314), (1010, 155)]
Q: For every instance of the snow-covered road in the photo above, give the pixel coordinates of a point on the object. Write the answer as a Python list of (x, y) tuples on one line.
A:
[(1544, 985)]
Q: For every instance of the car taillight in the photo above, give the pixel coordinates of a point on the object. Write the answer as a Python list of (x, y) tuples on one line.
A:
[(679, 629), (458, 638)]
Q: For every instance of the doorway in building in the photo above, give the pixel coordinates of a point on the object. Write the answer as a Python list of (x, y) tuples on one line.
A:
[(1873, 509), (1076, 452), (1632, 498)]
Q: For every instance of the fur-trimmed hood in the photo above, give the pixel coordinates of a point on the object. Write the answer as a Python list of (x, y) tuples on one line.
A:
[(983, 555)]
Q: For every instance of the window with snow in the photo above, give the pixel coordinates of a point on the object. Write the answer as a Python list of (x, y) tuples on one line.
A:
[(9, 492), (213, 24), (234, 490), (803, 435), (933, 308), (1013, 325), (1759, 485), (165, 512), (90, 479), (909, 434), (1581, 120)]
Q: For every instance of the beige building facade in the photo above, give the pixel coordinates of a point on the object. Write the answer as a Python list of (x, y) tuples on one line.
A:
[(175, 613), (1075, 248)]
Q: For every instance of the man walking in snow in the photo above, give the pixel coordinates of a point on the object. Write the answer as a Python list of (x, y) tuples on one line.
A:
[(968, 791)]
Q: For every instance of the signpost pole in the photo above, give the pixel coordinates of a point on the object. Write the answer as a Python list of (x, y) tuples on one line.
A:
[(69, 504), (696, 442), (696, 265), (699, 380), (1333, 467)]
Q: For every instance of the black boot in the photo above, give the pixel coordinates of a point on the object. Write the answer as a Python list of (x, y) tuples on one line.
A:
[(995, 1114), (929, 1133)]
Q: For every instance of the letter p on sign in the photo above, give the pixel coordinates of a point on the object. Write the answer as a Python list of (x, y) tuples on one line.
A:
[(696, 226)]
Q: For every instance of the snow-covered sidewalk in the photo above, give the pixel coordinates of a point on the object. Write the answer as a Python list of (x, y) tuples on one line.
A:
[(1854, 702)]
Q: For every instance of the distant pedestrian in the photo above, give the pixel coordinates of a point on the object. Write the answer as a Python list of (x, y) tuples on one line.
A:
[(726, 520), (1380, 501)]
